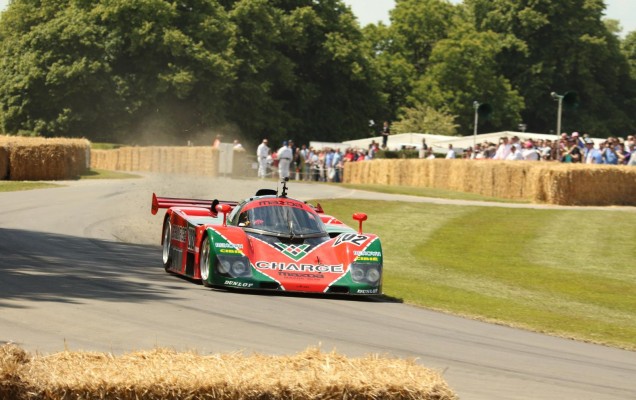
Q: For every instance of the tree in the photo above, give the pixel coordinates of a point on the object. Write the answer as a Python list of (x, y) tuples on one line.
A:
[(628, 47), (111, 69), (401, 51), (422, 118), (560, 46), (107, 68), (463, 70)]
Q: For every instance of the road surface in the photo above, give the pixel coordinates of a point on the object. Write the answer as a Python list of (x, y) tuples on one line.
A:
[(80, 269)]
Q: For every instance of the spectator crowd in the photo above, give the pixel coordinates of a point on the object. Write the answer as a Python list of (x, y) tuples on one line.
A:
[(307, 163), (326, 164), (574, 148)]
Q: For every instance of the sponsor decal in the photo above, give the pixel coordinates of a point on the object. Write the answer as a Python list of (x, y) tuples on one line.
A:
[(238, 284), (191, 236), (228, 245), (368, 253), (360, 258), (179, 233), (300, 275), (230, 251), (352, 238), (292, 251), (279, 202), (367, 291), (281, 266)]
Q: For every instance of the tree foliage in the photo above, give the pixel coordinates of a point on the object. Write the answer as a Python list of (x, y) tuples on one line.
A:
[(305, 69), (115, 68), (561, 46), (425, 119)]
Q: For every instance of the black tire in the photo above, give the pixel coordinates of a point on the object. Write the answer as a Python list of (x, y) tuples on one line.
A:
[(205, 266), (167, 247)]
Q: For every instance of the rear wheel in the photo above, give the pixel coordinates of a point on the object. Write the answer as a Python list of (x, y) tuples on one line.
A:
[(167, 239), (205, 266)]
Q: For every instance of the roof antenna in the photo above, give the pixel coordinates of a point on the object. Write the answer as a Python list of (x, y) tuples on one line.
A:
[(284, 182)]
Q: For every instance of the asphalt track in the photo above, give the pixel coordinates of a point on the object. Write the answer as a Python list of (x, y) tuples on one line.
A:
[(80, 270)]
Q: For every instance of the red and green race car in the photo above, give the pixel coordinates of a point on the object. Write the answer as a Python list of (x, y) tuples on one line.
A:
[(268, 242)]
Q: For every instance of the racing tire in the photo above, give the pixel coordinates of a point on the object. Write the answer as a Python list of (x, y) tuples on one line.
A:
[(167, 246), (205, 266)]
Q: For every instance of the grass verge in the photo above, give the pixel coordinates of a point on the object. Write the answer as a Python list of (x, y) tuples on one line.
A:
[(568, 273), (428, 192), (14, 186), (105, 174)]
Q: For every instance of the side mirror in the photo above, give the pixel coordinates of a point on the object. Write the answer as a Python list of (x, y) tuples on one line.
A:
[(360, 217), (225, 209)]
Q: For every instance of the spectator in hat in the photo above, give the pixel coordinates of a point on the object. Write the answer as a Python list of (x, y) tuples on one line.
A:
[(529, 152), (591, 155), (580, 143)]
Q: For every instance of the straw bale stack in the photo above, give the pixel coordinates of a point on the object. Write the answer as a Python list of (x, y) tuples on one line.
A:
[(162, 373), (176, 160), (4, 162), (554, 183), (45, 159)]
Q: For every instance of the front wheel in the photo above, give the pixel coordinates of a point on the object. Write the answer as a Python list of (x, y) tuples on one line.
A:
[(204, 262), (167, 238)]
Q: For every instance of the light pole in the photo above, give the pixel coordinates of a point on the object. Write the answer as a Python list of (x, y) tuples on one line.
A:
[(476, 107), (558, 98)]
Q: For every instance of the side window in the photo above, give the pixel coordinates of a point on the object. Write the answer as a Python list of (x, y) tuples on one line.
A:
[(243, 219), (233, 217)]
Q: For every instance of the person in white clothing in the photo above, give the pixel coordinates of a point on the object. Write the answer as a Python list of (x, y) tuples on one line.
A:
[(262, 151), (515, 155), (284, 160), (451, 153), (529, 152), (503, 150)]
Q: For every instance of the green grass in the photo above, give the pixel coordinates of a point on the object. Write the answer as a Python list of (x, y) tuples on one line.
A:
[(14, 186), (105, 146), (427, 192), (568, 273), (105, 174)]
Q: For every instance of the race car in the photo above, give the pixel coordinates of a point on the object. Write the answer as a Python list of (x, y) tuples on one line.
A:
[(268, 242)]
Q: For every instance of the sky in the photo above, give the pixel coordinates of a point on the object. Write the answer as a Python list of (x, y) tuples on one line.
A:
[(372, 11)]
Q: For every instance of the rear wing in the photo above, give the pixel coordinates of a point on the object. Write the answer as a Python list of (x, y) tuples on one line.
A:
[(167, 202)]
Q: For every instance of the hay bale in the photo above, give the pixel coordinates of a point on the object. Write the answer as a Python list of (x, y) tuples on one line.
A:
[(554, 183), (45, 159), (164, 373), (4, 162)]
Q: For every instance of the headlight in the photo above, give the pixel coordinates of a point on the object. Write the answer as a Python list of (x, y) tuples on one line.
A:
[(357, 274), (234, 266), (373, 275), (239, 268), (224, 267), (366, 273)]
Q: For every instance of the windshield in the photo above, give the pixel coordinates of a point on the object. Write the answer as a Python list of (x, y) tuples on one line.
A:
[(283, 220)]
